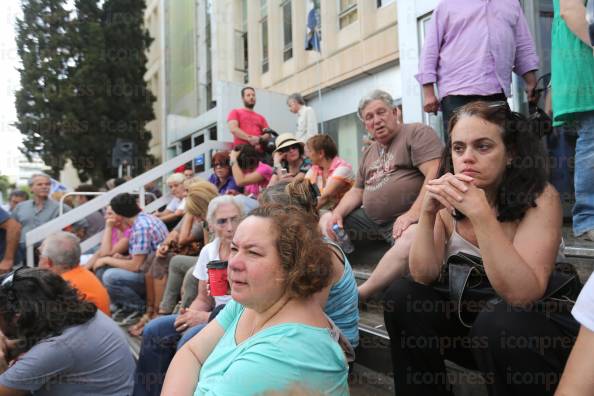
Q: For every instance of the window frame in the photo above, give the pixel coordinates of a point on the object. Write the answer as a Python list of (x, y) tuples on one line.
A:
[(287, 46), (345, 14)]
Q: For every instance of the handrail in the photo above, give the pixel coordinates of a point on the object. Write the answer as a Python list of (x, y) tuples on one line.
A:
[(40, 233), (90, 193), (94, 240)]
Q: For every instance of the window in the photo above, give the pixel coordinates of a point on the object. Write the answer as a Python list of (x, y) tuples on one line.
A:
[(347, 13), (241, 44), (382, 3), (264, 33), (287, 30)]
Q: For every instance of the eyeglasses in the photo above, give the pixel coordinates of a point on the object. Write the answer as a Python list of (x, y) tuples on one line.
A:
[(223, 221), (286, 149)]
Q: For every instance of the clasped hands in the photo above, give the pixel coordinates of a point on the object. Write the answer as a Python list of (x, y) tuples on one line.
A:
[(457, 192)]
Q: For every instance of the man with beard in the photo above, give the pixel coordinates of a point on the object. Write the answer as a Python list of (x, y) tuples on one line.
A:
[(245, 124)]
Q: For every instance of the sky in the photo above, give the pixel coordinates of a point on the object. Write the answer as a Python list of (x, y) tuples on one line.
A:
[(10, 138)]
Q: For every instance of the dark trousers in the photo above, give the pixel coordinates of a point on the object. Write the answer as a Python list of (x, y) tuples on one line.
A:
[(519, 351), (451, 103)]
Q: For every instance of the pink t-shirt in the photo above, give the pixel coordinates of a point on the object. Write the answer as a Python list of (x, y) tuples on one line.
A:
[(116, 235), (249, 121), (254, 189)]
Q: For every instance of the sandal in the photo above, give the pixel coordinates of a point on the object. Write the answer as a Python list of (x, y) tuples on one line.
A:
[(136, 329)]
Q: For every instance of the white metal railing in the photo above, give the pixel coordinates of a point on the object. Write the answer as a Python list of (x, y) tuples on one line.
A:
[(94, 194), (137, 184)]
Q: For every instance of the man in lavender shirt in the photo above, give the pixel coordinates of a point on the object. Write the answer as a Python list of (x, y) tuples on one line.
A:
[(470, 51)]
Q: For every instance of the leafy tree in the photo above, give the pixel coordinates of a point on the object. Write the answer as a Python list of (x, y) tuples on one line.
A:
[(42, 101), (82, 83), (129, 101)]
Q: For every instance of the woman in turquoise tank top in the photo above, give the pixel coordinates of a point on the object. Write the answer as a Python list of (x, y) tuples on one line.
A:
[(274, 335)]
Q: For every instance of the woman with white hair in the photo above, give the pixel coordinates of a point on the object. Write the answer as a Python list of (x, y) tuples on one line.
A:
[(161, 335), (177, 190)]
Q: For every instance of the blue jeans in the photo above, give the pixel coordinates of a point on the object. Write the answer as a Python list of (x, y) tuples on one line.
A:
[(583, 211), (160, 340), (126, 288)]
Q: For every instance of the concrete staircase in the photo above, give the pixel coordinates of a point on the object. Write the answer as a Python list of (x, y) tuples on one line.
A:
[(373, 353)]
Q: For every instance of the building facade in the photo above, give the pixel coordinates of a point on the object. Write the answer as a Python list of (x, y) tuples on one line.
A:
[(205, 51)]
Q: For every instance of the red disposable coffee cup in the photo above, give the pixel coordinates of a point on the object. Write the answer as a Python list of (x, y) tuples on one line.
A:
[(217, 278)]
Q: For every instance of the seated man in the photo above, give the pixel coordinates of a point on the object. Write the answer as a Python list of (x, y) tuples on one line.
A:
[(38, 210), (54, 343), (388, 192), (10, 232), (123, 275), (60, 253)]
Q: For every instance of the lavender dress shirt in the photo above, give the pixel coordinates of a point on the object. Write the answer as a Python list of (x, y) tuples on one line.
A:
[(472, 46)]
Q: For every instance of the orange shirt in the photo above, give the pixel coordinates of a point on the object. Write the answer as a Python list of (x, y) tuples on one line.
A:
[(89, 286)]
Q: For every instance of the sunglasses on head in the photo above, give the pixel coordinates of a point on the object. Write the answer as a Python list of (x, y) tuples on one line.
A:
[(7, 279), (223, 164)]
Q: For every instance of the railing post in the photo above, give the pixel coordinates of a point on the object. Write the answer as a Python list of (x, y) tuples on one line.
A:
[(141, 198), (30, 256)]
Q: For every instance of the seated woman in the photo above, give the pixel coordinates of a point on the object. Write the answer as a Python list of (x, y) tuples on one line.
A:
[(289, 159), (577, 379), (339, 299), (187, 239), (222, 177), (333, 175), (171, 215), (492, 201), (55, 343), (274, 332), (248, 171), (199, 197), (162, 335), (114, 241)]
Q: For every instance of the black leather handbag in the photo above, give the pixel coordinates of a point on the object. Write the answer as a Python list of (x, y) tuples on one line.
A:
[(463, 279)]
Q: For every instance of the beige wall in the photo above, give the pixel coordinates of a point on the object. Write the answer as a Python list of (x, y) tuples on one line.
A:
[(154, 75), (366, 44)]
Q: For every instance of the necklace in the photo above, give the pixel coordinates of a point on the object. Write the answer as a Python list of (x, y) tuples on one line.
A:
[(269, 318)]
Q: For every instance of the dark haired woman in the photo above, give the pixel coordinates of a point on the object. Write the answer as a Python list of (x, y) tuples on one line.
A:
[(248, 171), (222, 177), (492, 200), (289, 159), (56, 343)]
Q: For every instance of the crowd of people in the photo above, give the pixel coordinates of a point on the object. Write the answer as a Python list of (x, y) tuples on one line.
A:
[(242, 284)]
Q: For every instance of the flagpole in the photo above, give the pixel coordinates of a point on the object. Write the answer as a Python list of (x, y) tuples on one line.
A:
[(320, 89)]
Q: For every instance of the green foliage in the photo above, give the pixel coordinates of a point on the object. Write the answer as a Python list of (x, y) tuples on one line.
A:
[(5, 184), (82, 83)]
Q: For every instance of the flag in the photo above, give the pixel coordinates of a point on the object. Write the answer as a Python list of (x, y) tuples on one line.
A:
[(313, 35), (57, 186)]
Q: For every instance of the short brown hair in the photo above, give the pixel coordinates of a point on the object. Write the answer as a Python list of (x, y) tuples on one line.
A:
[(323, 142), (220, 157), (305, 258), (297, 193)]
